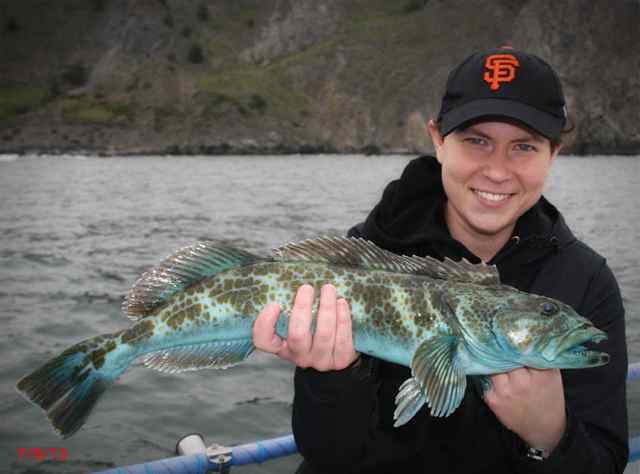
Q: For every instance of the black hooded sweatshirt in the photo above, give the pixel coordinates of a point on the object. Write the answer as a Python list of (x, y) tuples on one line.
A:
[(343, 420)]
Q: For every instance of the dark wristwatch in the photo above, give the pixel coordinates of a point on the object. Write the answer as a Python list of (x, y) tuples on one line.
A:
[(537, 454)]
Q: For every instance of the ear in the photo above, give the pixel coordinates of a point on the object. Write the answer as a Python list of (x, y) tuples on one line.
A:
[(436, 138), (555, 152)]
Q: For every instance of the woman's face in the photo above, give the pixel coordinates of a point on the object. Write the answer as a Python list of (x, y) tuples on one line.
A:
[(492, 172)]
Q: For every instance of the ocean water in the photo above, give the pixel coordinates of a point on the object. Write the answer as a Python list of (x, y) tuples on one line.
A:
[(76, 232)]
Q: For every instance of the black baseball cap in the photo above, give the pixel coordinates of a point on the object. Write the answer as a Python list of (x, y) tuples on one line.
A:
[(507, 83)]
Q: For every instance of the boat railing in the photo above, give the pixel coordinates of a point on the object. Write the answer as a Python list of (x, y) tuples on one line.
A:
[(199, 459)]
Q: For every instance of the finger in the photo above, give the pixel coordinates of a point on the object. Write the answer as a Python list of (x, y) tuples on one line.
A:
[(264, 329), (550, 379), (344, 352), (499, 388), (542, 375), (285, 353), (325, 335), (299, 333)]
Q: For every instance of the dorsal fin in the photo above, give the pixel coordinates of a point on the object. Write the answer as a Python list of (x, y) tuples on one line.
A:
[(361, 253), (179, 271), (465, 271)]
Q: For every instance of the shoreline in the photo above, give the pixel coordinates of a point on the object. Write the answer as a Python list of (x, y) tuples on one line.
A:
[(226, 149)]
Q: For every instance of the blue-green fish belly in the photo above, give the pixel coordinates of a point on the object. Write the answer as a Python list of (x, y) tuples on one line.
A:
[(393, 313), (193, 317)]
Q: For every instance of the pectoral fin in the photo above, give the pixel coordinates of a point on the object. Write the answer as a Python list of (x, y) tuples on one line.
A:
[(438, 380), (409, 400)]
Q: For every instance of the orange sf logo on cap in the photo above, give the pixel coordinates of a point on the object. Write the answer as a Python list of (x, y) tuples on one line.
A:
[(501, 68)]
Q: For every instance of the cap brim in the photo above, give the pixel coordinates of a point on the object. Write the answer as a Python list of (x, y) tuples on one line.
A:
[(544, 123)]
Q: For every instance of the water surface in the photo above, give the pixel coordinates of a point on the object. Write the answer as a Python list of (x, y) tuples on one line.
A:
[(75, 233)]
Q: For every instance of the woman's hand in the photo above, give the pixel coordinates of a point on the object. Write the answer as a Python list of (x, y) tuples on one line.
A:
[(330, 348), (530, 402)]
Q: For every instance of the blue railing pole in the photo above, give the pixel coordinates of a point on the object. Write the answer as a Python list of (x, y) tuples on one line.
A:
[(634, 443), (633, 372), (261, 451), (249, 453), (634, 449), (191, 464)]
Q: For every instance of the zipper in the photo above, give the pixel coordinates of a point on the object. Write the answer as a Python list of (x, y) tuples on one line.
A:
[(514, 242)]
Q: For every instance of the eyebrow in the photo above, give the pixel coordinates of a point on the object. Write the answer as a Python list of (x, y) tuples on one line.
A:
[(529, 135)]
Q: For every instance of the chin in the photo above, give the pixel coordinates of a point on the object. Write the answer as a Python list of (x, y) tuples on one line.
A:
[(492, 228)]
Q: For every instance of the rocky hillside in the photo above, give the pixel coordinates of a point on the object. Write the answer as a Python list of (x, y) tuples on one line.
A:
[(232, 76)]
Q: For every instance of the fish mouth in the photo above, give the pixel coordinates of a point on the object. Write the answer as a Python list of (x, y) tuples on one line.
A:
[(571, 353)]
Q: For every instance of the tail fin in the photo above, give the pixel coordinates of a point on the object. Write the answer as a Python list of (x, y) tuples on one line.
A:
[(68, 386)]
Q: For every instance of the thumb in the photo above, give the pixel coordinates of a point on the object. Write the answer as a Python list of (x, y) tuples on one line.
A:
[(264, 329)]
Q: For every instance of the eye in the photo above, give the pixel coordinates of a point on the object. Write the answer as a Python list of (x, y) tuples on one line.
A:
[(548, 309), (475, 141), (525, 147)]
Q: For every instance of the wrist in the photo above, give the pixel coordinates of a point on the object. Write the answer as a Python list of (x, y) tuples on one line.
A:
[(542, 449), (362, 368), (355, 362)]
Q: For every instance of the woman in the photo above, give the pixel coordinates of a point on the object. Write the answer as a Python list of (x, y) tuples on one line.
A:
[(496, 139)]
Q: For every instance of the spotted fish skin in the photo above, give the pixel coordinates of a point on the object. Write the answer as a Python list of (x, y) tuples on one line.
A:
[(445, 320), (391, 312)]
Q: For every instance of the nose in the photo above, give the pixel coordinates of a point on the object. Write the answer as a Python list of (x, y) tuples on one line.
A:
[(497, 166)]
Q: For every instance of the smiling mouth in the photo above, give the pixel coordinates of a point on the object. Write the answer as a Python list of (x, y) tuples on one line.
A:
[(493, 197)]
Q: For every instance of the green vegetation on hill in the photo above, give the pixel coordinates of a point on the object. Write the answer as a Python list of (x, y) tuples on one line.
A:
[(341, 76), (94, 111), (16, 100)]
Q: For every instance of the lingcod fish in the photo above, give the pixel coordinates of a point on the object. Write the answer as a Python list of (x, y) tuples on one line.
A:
[(445, 320)]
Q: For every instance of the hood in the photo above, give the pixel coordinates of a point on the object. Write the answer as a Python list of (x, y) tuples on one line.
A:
[(410, 219)]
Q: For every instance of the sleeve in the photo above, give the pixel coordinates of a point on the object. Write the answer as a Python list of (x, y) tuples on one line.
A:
[(332, 413), (356, 231), (343, 420), (596, 437)]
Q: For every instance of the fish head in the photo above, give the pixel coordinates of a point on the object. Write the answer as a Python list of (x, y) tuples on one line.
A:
[(546, 333)]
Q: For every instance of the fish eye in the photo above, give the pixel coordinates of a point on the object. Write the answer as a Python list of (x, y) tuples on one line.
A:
[(549, 309)]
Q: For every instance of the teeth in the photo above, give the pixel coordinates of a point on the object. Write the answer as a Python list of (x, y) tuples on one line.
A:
[(492, 196)]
